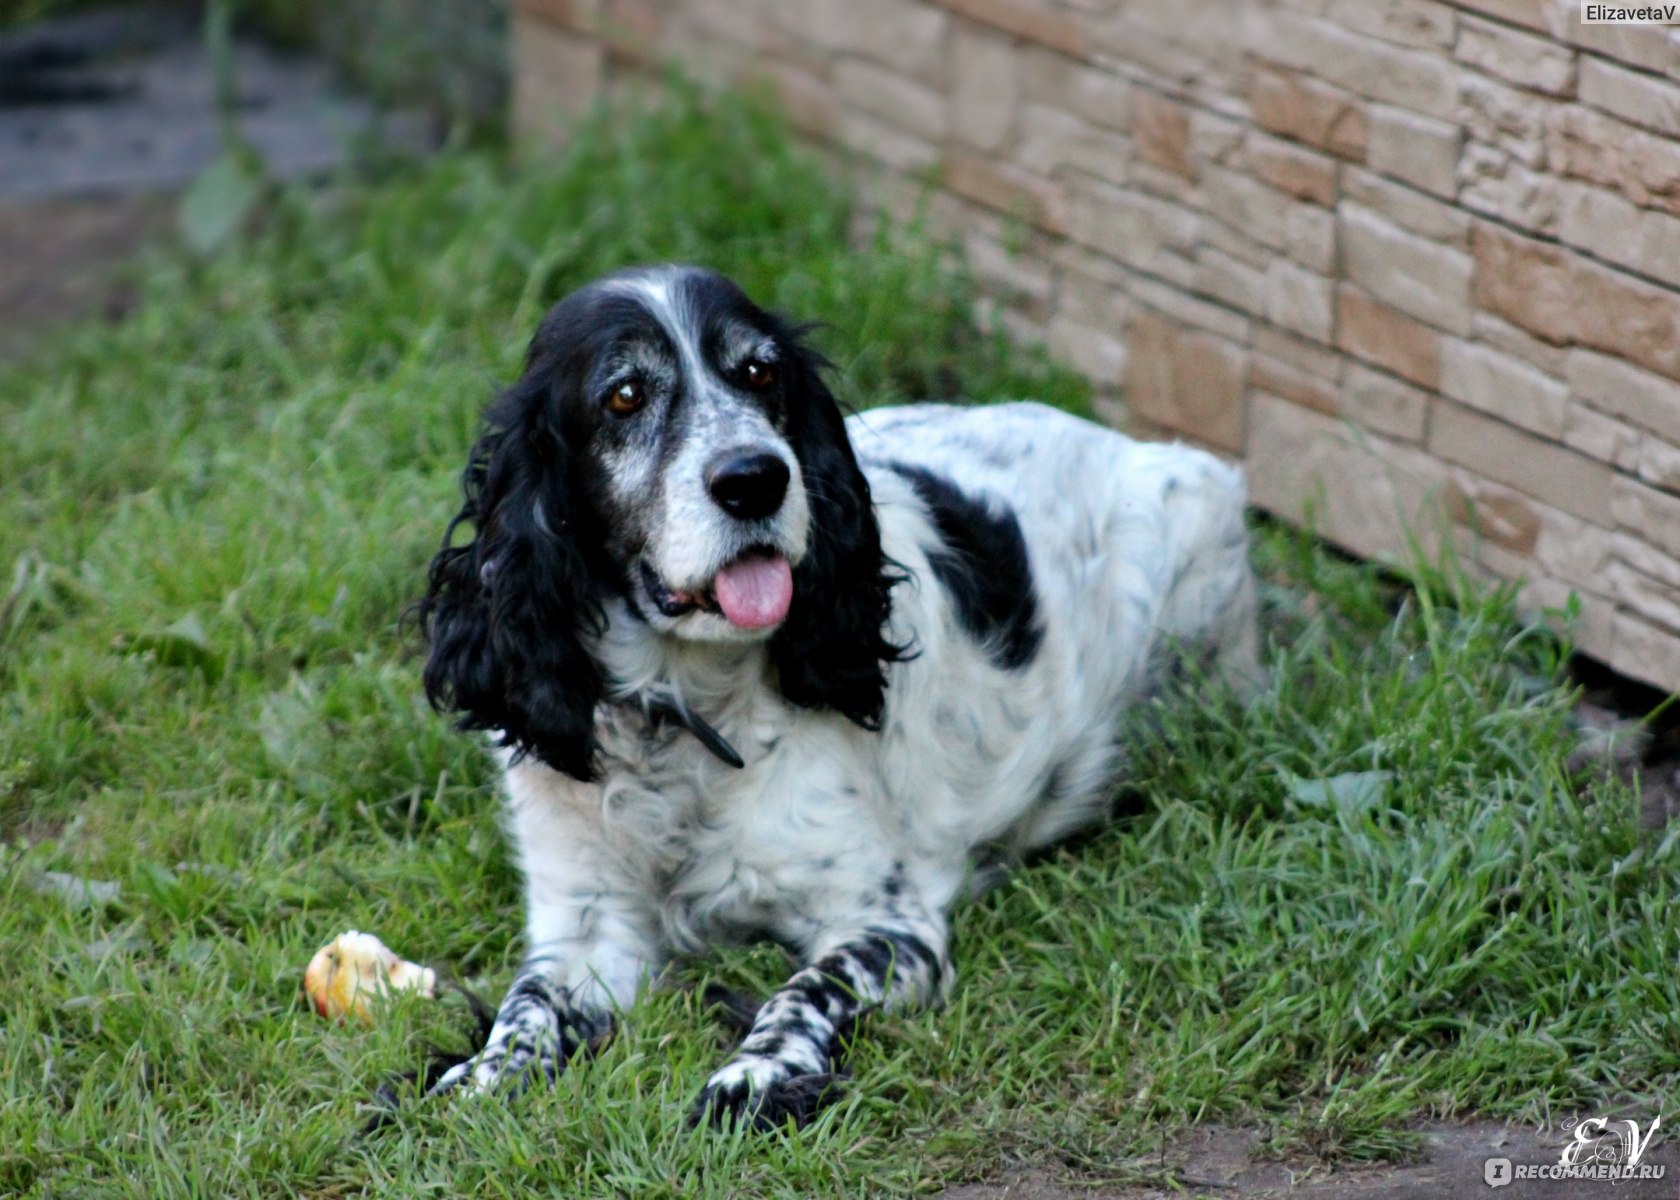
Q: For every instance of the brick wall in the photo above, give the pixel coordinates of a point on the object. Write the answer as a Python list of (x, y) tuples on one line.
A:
[(1416, 261)]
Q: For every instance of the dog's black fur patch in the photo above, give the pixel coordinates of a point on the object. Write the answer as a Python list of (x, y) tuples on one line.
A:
[(982, 562)]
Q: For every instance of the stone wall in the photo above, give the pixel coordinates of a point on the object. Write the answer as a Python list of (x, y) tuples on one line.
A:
[(1417, 262)]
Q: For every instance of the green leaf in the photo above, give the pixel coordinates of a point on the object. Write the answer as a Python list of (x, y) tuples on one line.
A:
[(183, 644), (74, 890), (1352, 792), (218, 203)]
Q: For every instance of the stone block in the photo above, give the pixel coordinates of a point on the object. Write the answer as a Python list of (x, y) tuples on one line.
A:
[(1659, 463), (1302, 173), (1493, 183), (1585, 144), (1170, 59), (1091, 301), (1645, 651), (1424, 24), (1540, 63), (885, 94), (1153, 236), (1416, 213), (1606, 225), (1019, 279), (807, 100), (1294, 105), (1652, 600), (1423, 279), (1620, 389), (1383, 404), (1007, 189), (1387, 338), (1309, 237), (1182, 308), (1216, 137), (1546, 471), (1417, 150), (1573, 550), (1628, 318), (1300, 300), (1097, 354), (887, 144), (1054, 141), (905, 35), (1246, 204), (1278, 378), (1531, 14), (1502, 386), (1186, 381), (557, 75), (1230, 280), (1529, 283), (1632, 96), (742, 23), (1601, 437), (1500, 515), (985, 90), (1646, 512), (1645, 558), (1312, 357), (1025, 19), (1098, 94), (1500, 334), (1505, 117), (1161, 131), (1639, 46), (634, 30), (1365, 493), (1416, 80)]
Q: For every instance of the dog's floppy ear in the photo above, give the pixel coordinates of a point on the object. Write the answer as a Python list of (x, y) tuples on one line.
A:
[(505, 613), (832, 650)]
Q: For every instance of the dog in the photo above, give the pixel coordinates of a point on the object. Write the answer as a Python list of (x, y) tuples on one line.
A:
[(753, 668)]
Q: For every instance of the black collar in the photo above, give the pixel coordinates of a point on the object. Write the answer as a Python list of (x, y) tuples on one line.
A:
[(662, 708)]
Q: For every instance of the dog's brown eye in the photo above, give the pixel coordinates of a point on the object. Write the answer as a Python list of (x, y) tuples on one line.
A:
[(626, 398), (759, 374)]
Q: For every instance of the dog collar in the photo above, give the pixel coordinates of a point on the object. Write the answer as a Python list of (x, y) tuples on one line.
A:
[(663, 708)]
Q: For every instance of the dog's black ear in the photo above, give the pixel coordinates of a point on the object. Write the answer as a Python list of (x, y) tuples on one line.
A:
[(832, 650), (506, 613)]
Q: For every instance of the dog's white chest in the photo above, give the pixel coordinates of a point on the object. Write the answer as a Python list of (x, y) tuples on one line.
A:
[(724, 850)]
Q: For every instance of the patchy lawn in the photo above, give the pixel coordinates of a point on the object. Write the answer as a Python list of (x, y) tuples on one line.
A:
[(1376, 894)]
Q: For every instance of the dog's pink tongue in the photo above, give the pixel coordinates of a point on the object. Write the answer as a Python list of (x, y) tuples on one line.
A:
[(755, 593)]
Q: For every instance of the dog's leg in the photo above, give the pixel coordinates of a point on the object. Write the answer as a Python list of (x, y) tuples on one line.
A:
[(592, 944), (562, 1000), (785, 1067)]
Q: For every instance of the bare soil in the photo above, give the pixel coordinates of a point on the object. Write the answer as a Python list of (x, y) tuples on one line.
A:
[(1220, 1162), (105, 116)]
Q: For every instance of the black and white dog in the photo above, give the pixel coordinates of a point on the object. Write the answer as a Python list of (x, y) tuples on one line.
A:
[(752, 668)]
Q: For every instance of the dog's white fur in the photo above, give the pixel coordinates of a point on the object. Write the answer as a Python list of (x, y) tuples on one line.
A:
[(833, 835)]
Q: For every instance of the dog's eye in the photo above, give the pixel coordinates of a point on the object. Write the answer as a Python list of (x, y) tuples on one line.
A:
[(626, 398), (758, 374)]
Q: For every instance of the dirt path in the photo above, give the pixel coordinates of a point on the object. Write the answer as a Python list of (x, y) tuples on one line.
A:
[(1217, 1162), (106, 116)]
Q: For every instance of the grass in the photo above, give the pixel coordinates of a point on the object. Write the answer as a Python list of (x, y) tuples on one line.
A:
[(1376, 892)]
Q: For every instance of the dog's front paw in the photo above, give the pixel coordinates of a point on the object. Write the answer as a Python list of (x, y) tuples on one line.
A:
[(764, 1094), (510, 1063)]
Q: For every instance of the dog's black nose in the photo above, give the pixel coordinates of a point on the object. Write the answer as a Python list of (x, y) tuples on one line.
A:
[(748, 486)]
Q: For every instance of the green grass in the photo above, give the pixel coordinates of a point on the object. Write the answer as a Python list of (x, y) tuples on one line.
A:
[(218, 511)]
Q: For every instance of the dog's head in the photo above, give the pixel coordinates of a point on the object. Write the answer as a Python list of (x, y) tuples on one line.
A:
[(672, 445)]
